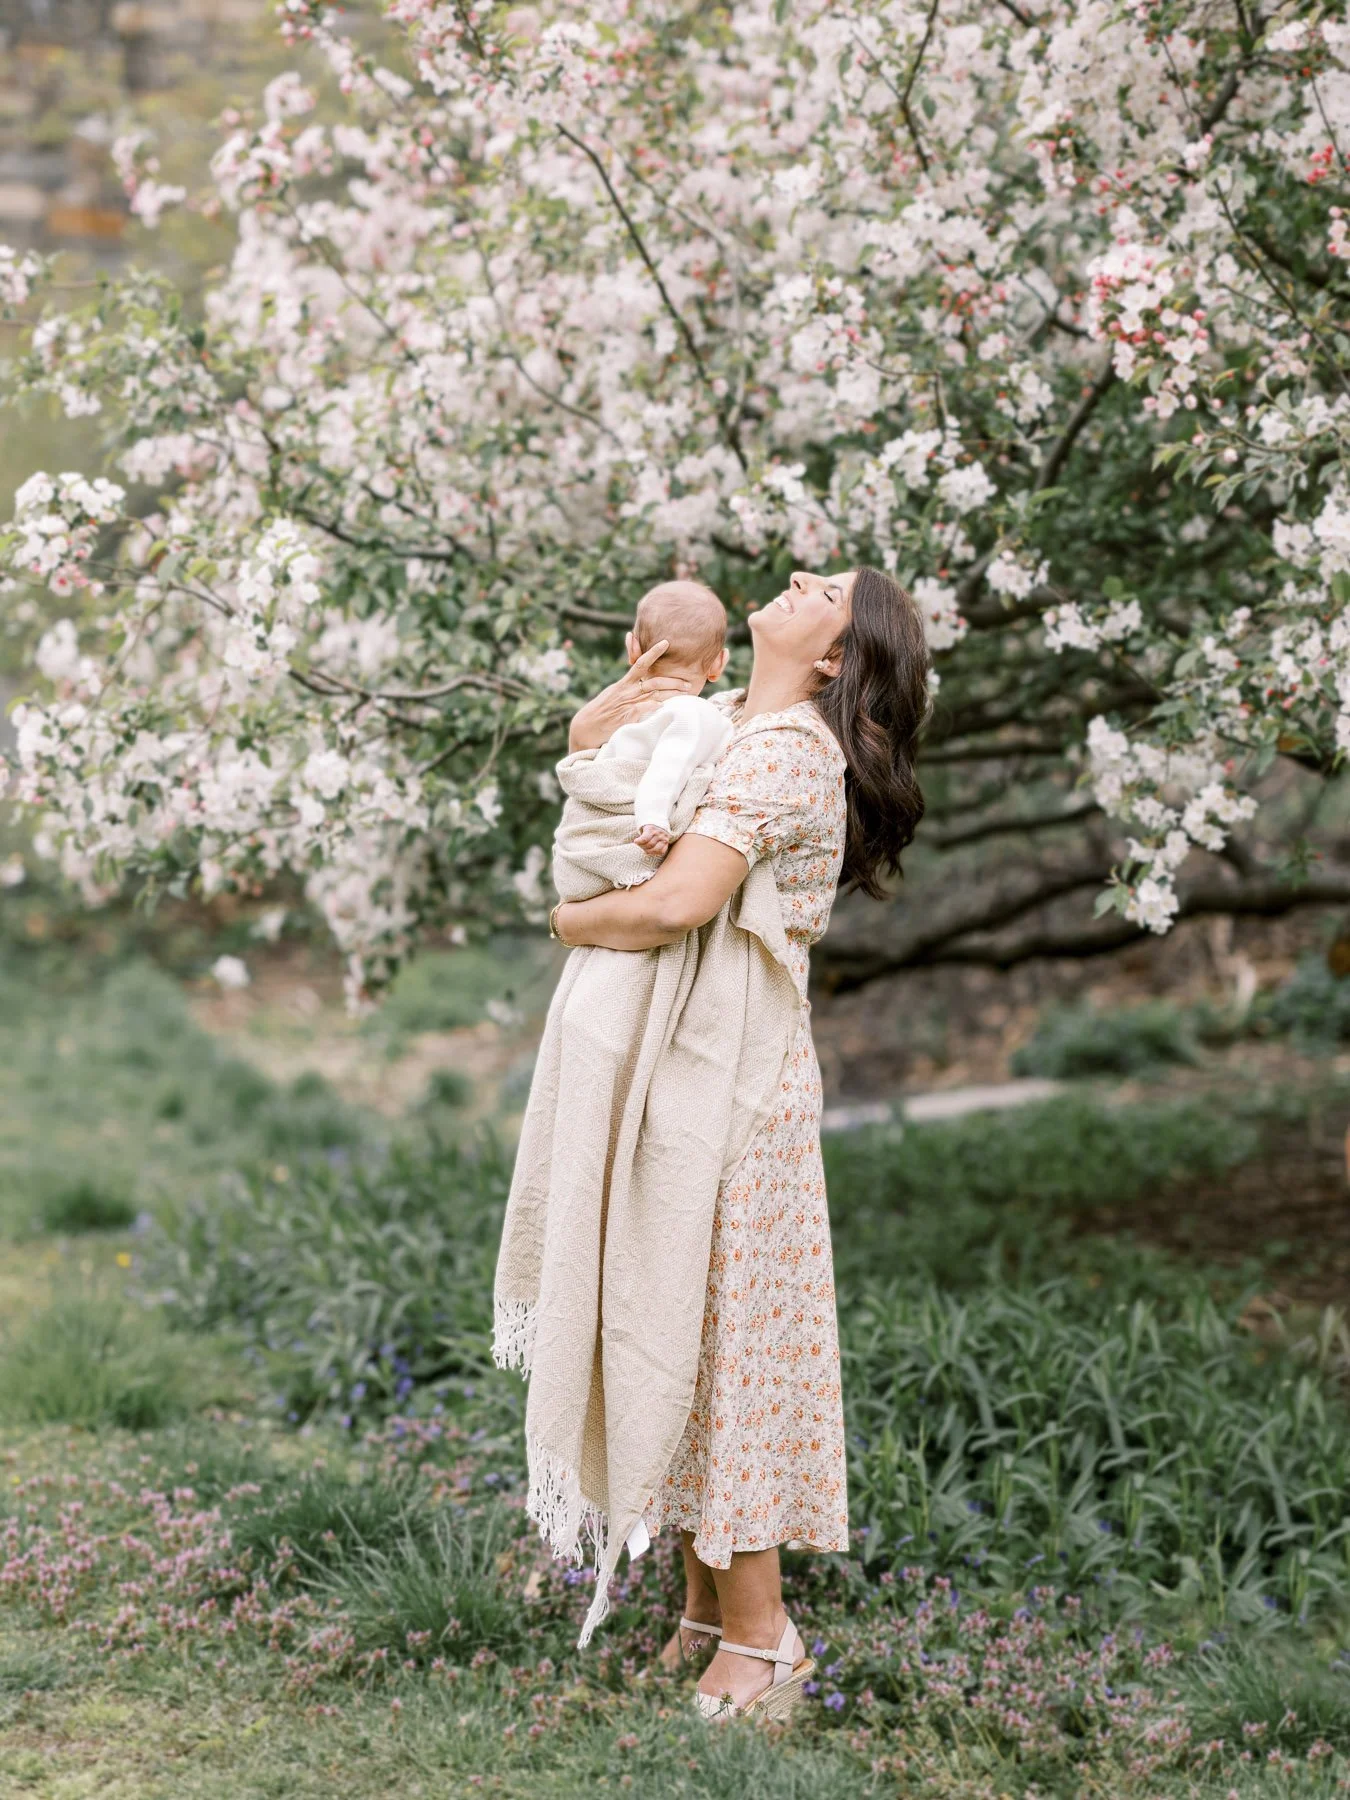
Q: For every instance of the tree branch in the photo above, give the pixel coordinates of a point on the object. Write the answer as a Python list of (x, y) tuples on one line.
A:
[(989, 752), (908, 89), (847, 968), (1059, 451), (988, 828), (635, 236)]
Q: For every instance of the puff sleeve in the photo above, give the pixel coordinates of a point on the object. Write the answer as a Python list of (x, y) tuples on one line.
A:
[(764, 796)]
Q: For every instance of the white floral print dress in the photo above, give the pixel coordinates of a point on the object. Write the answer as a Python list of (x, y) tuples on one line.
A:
[(762, 1458)]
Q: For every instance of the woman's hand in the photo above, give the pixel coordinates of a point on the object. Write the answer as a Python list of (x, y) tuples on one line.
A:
[(632, 696)]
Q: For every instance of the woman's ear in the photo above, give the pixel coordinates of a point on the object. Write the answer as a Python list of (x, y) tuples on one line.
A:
[(828, 666), (632, 646)]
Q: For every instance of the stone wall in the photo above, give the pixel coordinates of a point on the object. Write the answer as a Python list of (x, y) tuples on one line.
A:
[(68, 68)]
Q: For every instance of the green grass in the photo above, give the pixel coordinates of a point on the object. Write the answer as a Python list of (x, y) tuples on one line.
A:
[(1312, 1006), (1124, 1452), (113, 1100), (94, 1359), (361, 1283), (325, 1517), (446, 990), (424, 1591)]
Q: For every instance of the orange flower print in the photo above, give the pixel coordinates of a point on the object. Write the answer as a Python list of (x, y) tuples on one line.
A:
[(769, 1367)]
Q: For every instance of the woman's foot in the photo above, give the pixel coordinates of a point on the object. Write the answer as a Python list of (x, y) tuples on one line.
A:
[(736, 1680)]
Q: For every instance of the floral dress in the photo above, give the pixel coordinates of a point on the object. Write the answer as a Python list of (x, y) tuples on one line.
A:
[(762, 1458)]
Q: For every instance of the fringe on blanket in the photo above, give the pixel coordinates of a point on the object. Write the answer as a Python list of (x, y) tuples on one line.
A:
[(513, 1325), (554, 1501), (565, 1516)]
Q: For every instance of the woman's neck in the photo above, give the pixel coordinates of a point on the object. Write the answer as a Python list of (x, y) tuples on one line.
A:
[(772, 690)]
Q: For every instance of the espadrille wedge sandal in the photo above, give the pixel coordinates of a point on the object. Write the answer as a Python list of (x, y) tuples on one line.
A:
[(783, 1692)]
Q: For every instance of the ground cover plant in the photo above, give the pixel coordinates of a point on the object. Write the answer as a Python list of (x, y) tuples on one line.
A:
[(260, 1486)]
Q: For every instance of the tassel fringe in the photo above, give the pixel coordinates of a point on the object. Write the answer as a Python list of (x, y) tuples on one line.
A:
[(566, 1519), (513, 1326)]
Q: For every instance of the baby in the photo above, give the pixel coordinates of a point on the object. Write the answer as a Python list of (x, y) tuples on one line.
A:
[(625, 803), (685, 732)]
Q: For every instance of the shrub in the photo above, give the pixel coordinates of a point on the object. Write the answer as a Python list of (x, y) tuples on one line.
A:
[(1312, 1006), (1236, 1685), (91, 1359), (930, 1200), (441, 1591), (325, 1518), (449, 1088), (1075, 1040)]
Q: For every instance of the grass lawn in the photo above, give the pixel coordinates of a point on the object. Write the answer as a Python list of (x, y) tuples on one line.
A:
[(261, 1526)]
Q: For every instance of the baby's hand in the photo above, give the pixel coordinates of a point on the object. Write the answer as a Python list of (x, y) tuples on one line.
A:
[(654, 839)]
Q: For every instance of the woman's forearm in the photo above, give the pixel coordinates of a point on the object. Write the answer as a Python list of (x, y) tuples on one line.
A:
[(617, 921), (692, 886)]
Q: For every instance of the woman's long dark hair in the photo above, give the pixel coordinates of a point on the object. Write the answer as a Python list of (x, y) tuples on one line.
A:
[(876, 706)]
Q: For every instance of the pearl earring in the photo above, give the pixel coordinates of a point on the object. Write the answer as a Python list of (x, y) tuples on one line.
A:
[(821, 664)]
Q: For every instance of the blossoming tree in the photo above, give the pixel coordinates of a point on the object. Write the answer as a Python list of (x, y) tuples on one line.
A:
[(1038, 303)]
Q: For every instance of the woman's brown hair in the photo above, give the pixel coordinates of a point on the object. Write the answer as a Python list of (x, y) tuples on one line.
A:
[(876, 707)]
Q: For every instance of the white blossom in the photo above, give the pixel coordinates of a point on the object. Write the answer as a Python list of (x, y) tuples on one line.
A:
[(230, 972)]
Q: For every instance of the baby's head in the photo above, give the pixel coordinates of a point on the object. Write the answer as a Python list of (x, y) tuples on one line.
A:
[(693, 622)]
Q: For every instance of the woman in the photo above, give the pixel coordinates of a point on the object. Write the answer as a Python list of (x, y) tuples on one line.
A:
[(819, 777)]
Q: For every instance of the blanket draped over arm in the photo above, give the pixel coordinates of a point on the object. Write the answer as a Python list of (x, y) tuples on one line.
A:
[(656, 1069)]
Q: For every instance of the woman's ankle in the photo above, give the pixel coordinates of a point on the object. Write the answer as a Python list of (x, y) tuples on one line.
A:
[(763, 1627), (702, 1605)]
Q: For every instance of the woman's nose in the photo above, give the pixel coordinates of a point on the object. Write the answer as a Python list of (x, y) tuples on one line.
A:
[(797, 582)]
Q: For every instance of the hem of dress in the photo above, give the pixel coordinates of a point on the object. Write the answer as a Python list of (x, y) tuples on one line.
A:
[(790, 1540)]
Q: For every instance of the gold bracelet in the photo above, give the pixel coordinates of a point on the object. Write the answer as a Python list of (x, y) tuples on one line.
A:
[(553, 922)]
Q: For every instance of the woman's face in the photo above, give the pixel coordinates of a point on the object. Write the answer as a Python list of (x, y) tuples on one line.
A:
[(807, 617)]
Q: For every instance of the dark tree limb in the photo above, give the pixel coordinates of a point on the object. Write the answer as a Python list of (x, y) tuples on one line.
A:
[(989, 828), (1049, 470), (1005, 747), (592, 615), (738, 632), (910, 79), (845, 968), (1054, 460)]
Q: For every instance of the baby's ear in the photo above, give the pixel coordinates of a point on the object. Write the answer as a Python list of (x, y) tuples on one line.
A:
[(632, 646), (718, 664)]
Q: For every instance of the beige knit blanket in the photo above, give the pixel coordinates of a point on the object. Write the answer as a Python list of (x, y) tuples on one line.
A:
[(655, 1071)]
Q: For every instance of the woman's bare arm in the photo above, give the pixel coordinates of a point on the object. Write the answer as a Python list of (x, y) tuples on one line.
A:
[(692, 886)]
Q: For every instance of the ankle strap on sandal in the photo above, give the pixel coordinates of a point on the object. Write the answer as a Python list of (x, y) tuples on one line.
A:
[(782, 1658), (699, 1626)]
